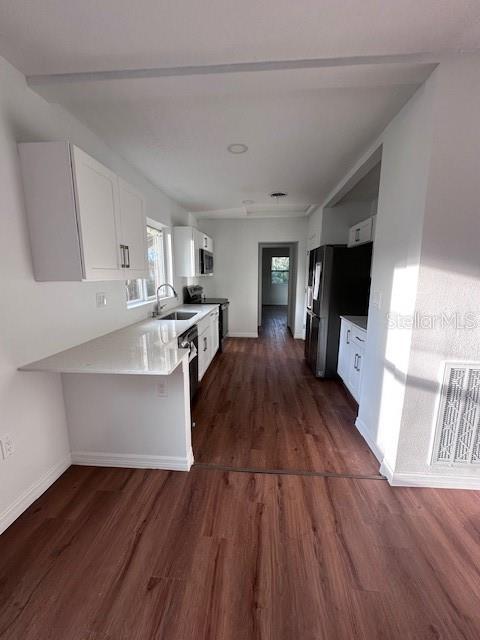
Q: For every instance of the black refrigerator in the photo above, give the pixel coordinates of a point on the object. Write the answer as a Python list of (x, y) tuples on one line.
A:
[(338, 284)]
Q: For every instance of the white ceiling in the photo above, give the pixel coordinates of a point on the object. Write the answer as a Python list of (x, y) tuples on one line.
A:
[(304, 127), (52, 36)]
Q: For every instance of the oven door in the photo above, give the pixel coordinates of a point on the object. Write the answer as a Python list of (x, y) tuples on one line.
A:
[(206, 262)]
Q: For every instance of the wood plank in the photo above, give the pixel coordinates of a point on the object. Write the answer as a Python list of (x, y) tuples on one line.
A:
[(260, 406), (228, 555)]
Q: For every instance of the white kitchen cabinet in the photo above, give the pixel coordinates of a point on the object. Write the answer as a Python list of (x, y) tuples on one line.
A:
[(215, 331), (355, 369), (84, 223), (134, 230), (208, 341), (204, 241), (204, 349), (361, 233), (351, 355), (188, 242), (98, 214)]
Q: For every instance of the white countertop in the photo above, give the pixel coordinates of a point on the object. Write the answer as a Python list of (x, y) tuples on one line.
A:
[(148, 347), (358, 321)]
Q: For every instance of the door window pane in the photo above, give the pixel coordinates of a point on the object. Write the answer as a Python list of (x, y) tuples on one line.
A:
[(279, 269)]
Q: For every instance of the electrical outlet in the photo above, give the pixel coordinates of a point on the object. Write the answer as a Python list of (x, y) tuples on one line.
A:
[(6, 445), (101, 299)]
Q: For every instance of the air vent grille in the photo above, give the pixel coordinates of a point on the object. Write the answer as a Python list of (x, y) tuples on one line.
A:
[(457, 437)]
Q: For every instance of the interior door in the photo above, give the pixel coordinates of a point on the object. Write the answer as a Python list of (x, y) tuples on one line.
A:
[(134, 230), (98, 211)]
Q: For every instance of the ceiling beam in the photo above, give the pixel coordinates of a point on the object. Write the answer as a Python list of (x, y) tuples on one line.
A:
[(235, 67)]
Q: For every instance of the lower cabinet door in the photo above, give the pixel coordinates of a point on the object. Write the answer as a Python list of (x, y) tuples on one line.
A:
[(355, 372), (204, 351), (215, 333)]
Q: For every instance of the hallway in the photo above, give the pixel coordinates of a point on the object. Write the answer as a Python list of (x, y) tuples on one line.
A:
[(260, 408)]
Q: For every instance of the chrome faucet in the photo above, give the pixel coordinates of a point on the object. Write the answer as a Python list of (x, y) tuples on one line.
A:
[(159, 306)]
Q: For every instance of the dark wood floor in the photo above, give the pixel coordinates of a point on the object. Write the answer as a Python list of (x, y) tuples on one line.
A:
[(120, 554), (260, 407)]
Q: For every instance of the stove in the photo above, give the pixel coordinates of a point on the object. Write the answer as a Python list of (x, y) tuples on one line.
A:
[(194, 295)]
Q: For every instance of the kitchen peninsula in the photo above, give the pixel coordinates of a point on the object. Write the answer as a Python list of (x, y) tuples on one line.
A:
[(127, 395)]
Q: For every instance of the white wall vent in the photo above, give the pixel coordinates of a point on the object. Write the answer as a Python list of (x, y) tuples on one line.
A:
[(457, 434)]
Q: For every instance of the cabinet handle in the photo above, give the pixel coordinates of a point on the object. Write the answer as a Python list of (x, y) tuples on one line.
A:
[(357, 235), (361, 339), (204, 344), (127, 249), (358, 362), (122, 251), (355, 362), (348, 335)]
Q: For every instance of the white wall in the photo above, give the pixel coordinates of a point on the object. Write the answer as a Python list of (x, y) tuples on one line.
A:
[(276, 294), (449, 273), (39, 319), (403, 180), (236, 267)]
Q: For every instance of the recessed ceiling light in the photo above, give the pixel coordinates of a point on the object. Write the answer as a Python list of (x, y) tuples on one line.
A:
[(237, 147), (278, 194), (248, 202)]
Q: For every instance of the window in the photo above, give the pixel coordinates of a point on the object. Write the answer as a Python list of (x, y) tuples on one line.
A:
[(160, 268), (279, 270)]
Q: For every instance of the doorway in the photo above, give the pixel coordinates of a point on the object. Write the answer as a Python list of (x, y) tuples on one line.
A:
[(276, 285)]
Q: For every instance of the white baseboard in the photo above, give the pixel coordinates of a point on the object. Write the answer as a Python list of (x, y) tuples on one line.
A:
[(429, 480), (299, 335), (243, 334), (362, 427), (387, 471), (132, 460), (11, 513)]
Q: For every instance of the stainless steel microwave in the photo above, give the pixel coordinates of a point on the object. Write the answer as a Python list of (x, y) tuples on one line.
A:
[(206, 262)]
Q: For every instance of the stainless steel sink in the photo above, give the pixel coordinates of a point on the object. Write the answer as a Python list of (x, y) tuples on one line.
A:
[(178, 315)]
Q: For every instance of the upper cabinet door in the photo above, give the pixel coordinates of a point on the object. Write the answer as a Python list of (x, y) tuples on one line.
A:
[(361, 233), (97, 195), (134, 230)]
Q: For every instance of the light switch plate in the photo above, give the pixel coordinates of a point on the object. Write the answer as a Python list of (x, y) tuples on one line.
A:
[(101, 299)]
